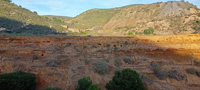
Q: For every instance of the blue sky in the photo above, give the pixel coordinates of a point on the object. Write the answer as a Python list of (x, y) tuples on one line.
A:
[(75, 7)]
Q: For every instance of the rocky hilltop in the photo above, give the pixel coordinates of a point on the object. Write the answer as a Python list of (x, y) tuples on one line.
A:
[(61, 61)]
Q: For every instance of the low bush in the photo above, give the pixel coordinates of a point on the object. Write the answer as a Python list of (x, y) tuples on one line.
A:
[(86, 84), (198, 73), (176, 75), (118, 62), (130, 33), (101, 67), (160, 73), (93, 87), (52, 63), (148, 31), (125, 79), (52, 89), (127, 59), (191, 70), (35, 57), (17, 81)]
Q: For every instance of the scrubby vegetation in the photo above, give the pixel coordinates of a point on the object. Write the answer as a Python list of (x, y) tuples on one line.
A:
[(126, 79), (159, 72), (176, 75), (101, 67), (118, 62), (196, 24), (86, 84), (148, 31), (193, 71), (130, 33), (17, 81), (52, 89), (128, 59), (35, 57)]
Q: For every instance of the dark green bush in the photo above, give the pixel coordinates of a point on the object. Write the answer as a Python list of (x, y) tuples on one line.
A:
[(101, 67), (125, 79), (86, 84), (93, 87), (17, 81), (148, 31), (52, 89)]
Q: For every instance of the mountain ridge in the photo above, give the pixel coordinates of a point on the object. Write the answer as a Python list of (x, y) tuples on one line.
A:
[(132, 15)]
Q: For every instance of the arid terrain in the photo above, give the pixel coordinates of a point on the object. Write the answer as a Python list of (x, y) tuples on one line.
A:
[(61, 61)]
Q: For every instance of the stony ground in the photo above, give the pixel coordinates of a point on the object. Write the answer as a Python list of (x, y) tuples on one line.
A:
[(61, 61)]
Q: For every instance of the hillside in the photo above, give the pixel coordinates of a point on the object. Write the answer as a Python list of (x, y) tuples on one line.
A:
[(173, 17), (59, 19), (12, 12), (61, 61), (93, 18)]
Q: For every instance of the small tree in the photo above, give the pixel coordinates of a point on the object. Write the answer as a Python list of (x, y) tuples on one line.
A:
[(126, 79)]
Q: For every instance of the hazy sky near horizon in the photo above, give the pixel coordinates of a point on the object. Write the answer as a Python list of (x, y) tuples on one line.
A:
[(75, 7)]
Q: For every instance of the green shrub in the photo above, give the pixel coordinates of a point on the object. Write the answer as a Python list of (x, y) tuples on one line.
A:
[(196, 24), (191, 70), (126, 79), (84, 33), (86, 84), (93, 87), (176, 75), (52, 89), (118, 63), (101, 67), (87, 61), (35, 57), (17, 81), (126, 43), (130, 33), (127, 59), (158, 71), (148, 31)]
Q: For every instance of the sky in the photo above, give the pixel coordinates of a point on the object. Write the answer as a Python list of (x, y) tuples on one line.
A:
[(73, 8)]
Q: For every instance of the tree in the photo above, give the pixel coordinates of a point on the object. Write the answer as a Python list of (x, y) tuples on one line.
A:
[(126, 79)]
